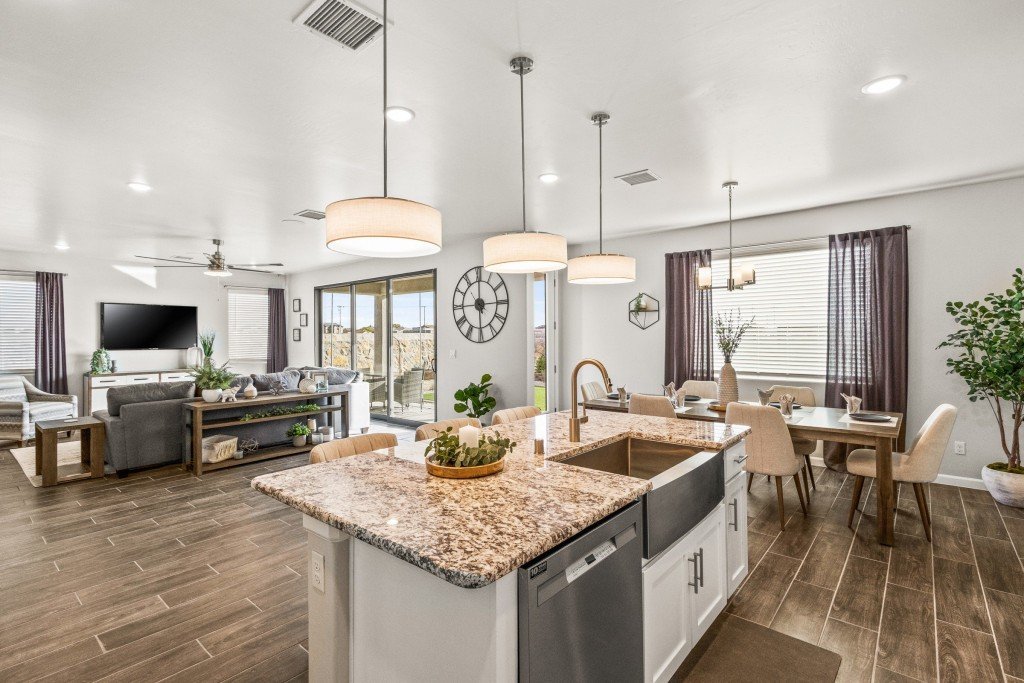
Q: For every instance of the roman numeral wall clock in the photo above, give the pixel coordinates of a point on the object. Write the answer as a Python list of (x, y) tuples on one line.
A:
[(480, 305)]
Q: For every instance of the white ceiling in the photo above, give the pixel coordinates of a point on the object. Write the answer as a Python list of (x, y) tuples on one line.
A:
[(239, 119)]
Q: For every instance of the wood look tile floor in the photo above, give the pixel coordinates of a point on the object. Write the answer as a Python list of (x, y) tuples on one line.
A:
[(948, 610), (160, 576)]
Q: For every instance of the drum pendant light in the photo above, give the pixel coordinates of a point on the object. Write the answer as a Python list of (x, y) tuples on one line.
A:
[(524, 252), (601, 268), (384, 226)]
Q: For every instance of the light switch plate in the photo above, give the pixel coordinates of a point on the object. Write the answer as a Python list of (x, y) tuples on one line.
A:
[(959, 448), (316, 570)]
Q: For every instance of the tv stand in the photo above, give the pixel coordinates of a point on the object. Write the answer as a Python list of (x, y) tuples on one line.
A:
[(94, 395)]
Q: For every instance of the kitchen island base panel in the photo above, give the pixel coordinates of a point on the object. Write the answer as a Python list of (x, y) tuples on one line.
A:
[(381, 618)]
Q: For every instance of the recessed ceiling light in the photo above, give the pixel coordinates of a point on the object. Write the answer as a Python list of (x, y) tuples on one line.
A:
[(548, 178), (883, 84), (139, 186), (63, 246), (400, 114)]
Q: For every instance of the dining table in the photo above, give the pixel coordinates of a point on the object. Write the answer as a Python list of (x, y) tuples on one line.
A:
[(817, 424)]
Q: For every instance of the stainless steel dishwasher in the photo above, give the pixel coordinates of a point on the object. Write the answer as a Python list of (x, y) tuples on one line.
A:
[(581, 606)]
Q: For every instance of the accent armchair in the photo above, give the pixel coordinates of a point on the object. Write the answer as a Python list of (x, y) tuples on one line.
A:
[(22, 405), (408, 389)]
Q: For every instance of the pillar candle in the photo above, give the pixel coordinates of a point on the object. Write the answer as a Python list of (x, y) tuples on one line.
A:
[(469, 436)]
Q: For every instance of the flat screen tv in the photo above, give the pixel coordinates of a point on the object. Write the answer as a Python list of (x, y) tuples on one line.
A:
[(146, 326)]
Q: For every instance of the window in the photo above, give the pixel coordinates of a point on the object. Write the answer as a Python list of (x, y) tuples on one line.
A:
[(540, 341), (17, 324), (247, 324), (789, 305)]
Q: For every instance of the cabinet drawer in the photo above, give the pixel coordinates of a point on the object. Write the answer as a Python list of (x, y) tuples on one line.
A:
[(175, 377), (734, 458), (142, 378), (112, 381)]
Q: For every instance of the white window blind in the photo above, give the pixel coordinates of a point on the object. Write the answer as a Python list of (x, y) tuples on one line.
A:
[(789, 305), (17, 324), (247, 324)]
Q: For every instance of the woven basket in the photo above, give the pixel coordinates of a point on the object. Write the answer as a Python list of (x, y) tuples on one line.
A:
[(219, 447)]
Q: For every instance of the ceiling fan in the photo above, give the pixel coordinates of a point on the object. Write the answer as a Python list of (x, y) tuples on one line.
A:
[(216, 266)]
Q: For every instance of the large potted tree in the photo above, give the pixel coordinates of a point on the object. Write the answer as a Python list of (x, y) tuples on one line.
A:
[(990, 346)]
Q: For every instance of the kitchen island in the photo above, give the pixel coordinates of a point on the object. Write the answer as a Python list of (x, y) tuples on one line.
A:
[(430, 590)]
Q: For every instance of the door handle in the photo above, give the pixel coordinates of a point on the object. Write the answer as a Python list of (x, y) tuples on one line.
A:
[(696, 579), (701, 556), (735, 523)]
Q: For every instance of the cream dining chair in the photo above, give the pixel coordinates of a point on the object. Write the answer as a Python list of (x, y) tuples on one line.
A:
[(514, 414), (769, 449), (432, 429), (918, 466), (804, 447), (697, 387), (656, 406), (592, 390), (352, 445)]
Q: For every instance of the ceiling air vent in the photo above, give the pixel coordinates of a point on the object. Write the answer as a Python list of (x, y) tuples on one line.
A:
[(312, 214), (638, 177), (342, 22)]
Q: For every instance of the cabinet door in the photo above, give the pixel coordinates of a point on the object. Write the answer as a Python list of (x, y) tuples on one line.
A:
[(736, 531), (667, 612), (708, 542)]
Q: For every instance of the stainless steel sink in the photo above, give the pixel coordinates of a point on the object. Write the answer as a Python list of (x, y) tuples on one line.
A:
[(688, 484)]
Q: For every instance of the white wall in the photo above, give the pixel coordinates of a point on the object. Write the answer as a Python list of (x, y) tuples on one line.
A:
[(964, 243), (92, 281), (503, 357)]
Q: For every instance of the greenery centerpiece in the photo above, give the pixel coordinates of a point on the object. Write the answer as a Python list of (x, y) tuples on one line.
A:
[(990, 345), (448, 457), (278, 411), (212, 380), (299, 432), (729, 331), (475, 400)]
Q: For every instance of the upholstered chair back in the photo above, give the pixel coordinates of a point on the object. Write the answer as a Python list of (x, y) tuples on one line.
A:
[(803, 395), (429, 431), (697, 387), (921, 463), (353, 445), (768, 447), (514, 414), (592, 390), (12, 388), (657, 406)]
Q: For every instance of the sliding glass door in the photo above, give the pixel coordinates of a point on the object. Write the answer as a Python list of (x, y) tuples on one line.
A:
[(385, 328)]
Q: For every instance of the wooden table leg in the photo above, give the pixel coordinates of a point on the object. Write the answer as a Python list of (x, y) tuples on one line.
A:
[(197, 443), (884, 498), (39, 455), (49, 448), (96, 451)]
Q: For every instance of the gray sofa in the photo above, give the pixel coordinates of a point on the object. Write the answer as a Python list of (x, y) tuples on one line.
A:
[(143, 424)]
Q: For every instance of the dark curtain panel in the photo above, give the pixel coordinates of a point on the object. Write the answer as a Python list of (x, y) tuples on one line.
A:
[(867, 323), (277, 329), (51, 352), (687, 318)]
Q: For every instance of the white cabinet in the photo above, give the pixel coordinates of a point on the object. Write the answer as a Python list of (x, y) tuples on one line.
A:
[(736, 531), (684, 591), (96, 386)]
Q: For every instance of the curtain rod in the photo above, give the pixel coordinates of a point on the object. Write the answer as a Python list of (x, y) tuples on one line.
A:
[(779, 242), (15, 271)]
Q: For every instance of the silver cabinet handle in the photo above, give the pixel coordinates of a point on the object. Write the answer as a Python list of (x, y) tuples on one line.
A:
[(740, 459), (735, 523), (696, 578), (701, 555)]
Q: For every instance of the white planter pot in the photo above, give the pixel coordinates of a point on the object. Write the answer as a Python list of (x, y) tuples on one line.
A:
[(298, 441), (211, 395), (1006, 487)]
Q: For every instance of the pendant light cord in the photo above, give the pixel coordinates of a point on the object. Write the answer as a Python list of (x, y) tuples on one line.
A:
[(600, 187), (385, 110), (522, 139)]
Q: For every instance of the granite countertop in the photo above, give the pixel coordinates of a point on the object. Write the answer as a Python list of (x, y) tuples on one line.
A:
[(472, 532)]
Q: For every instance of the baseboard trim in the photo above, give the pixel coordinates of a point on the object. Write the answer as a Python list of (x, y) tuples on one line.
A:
[(947, 479)]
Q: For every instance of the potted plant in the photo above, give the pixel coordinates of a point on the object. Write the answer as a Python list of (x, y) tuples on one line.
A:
[(298, 432), (990, 342), (729, 331), (206, 340), (475, 400), (212, 380), (448, 458)]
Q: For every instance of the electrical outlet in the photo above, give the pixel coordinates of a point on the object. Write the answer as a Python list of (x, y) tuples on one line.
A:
[(316, 570), (451, 353), (959, 448)]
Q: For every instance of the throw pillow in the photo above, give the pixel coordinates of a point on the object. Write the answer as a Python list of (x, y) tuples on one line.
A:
[(290, 379)]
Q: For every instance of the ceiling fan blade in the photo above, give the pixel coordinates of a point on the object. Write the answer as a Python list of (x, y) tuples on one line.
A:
[(257, 265), (186, 265), (172, 260), (249, 270)]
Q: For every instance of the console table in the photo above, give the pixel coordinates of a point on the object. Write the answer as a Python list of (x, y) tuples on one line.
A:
[(201, 419)]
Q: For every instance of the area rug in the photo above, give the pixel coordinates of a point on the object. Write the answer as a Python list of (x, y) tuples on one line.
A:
[(737, 650), (68, 453)]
